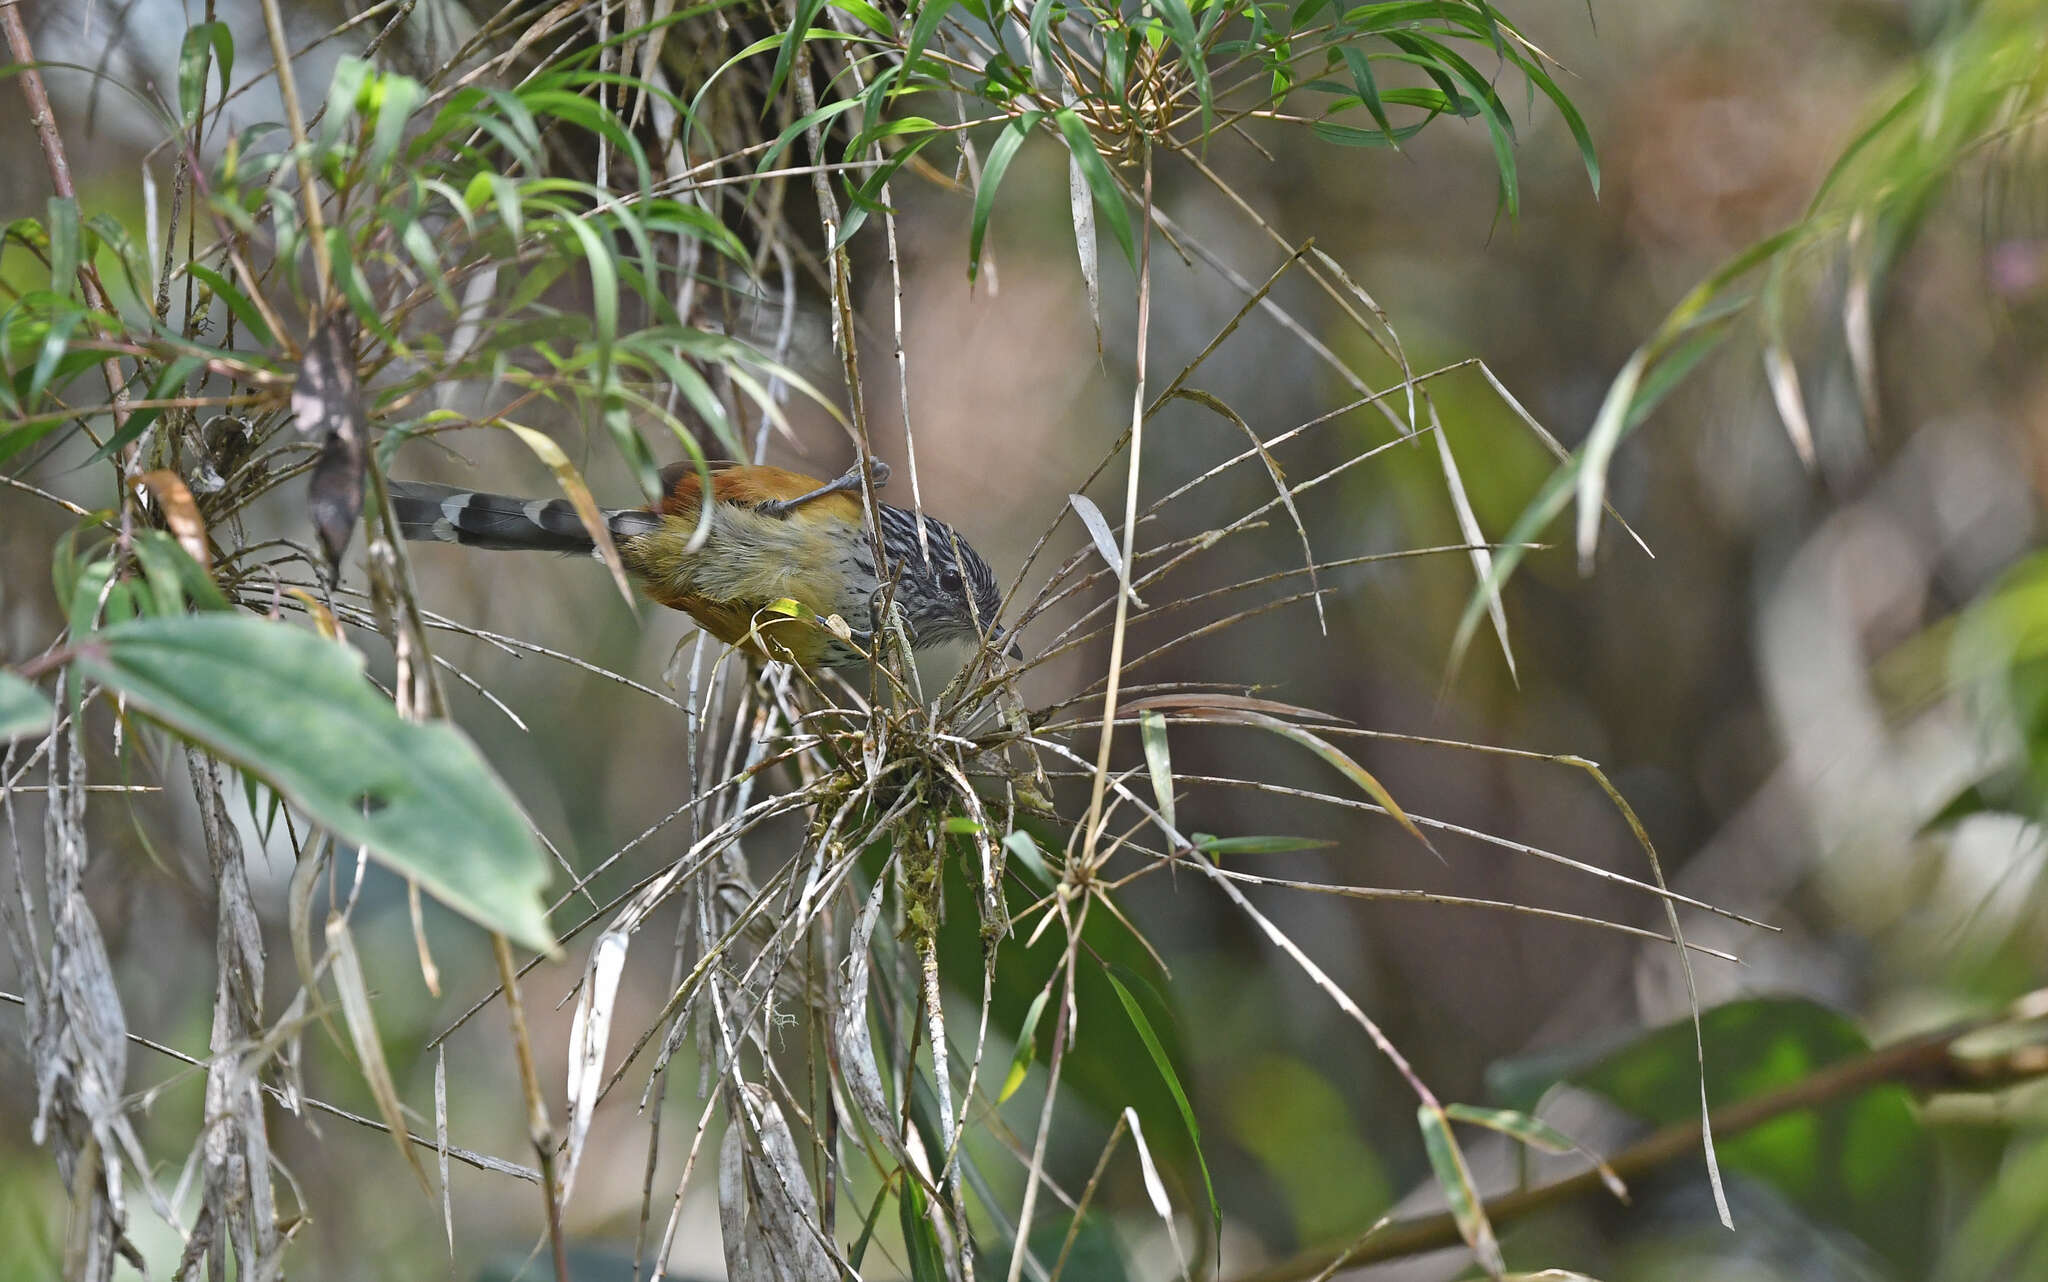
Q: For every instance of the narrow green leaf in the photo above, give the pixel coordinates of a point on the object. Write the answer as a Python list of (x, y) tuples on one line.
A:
[(927, 1261), (135, 272), (65, 251), (929, 15), (1608, 427), (1165, 1067), (1109, 198), (1180, 25), (169, 381), (1000, 155), (1572, 120), (1536, 1133), (201, 40), (1455, 1179), (785, 56), (354, 991), (393, 99), (1360, 67), (56, 341), (1152, 726), (1020, 844), (1335, 756), (1258, 845), (237, 302), (1027, 1047)]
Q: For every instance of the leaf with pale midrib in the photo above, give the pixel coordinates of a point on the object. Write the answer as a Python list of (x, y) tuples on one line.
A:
[(296, 710)]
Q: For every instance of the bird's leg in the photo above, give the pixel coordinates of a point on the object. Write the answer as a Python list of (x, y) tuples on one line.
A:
[(847, 482)]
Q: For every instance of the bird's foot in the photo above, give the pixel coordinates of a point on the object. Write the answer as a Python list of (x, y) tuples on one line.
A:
[(846, 483)]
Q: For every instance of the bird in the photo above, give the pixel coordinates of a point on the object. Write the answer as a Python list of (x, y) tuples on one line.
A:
[(774, 535)]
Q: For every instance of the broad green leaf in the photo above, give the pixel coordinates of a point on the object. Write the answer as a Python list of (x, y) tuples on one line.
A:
[(297, 711), (1863, 1162), (24, 710)]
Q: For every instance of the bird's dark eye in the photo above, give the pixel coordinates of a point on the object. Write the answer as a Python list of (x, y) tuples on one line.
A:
[(949, 579)]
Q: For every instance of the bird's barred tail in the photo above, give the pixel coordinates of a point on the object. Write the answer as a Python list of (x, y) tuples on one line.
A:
[(451, 514)]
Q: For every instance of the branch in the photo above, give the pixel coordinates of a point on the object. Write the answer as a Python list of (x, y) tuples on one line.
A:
[(1926, 1063)]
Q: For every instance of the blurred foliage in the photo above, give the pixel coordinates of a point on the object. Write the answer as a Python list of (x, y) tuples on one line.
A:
[(1862, 1162), (1975, 97)]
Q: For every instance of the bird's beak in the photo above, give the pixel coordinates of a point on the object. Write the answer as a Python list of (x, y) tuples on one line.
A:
[(1015, 651)]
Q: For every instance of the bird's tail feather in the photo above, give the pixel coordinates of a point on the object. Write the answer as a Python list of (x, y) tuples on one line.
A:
[(451, 514)]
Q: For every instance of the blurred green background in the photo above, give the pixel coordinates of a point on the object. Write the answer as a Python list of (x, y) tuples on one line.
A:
[(1737, 686)]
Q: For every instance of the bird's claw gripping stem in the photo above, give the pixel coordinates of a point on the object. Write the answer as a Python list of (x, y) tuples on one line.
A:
[(846, 482)]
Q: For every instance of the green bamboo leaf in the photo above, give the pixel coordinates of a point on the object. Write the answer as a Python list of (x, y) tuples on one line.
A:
[(1572, 120), (1180, 25), (929, 15), (1165, 1067), (169, 382), (392, 101), (785, 56), (1020, 844), (1101, 183), (354, 991), (56, 342), (1536, 1133), (201, 40), (927, 1261), (297, 711), (1257, 845), (1152, 726), (135, 274), (65, 250), (1455, 1179), (999, 157), (1332, 754), (25, 710), (343, 94), (1027, 1038), (1360, 67), (1458, 79)]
